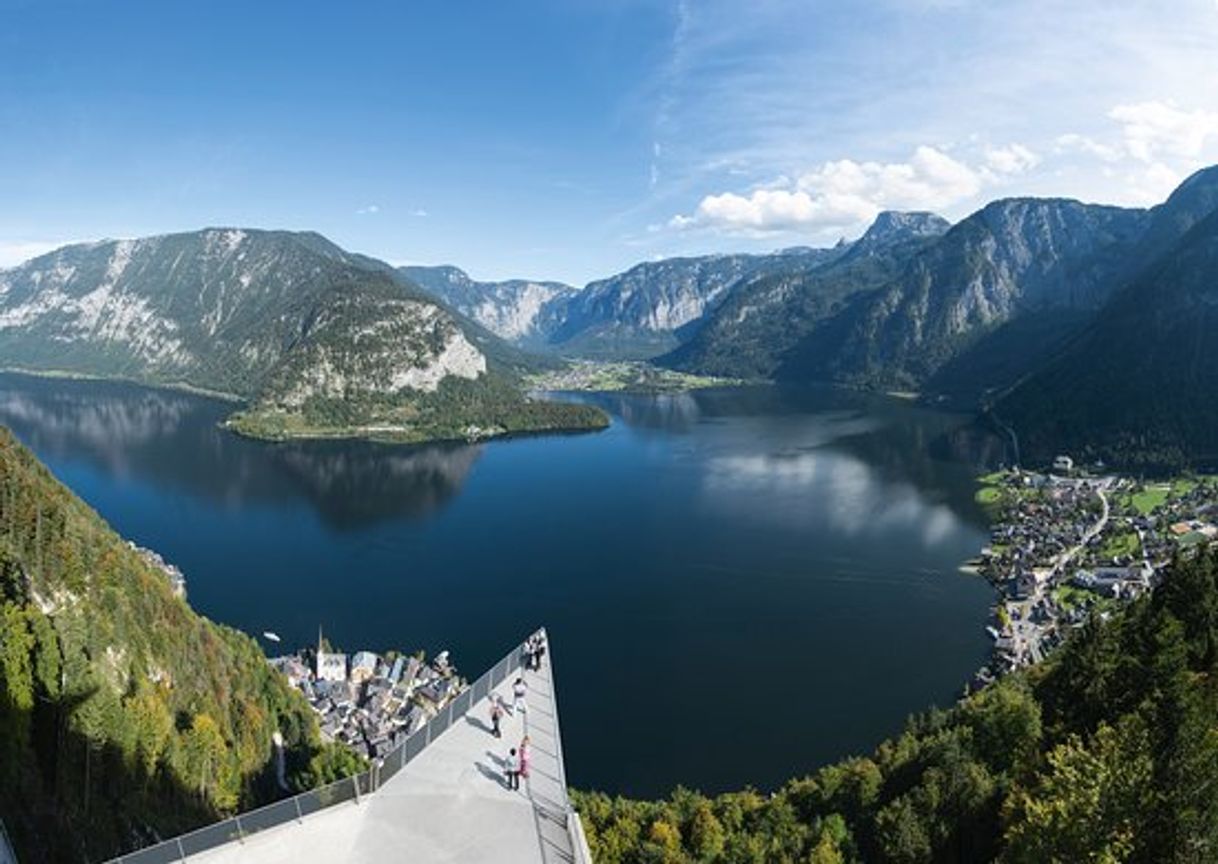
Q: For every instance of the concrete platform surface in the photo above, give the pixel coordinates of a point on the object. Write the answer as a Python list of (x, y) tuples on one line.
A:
[(450, 804)]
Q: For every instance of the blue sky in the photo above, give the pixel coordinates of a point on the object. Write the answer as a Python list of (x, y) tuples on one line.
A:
[(571, 139)]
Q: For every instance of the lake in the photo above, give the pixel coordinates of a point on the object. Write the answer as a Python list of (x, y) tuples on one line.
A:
[(740, 585)]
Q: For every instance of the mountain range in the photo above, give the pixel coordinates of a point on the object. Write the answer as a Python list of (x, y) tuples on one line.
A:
[(1028, 308), (642, 313), (1077, 326), (315, 340)]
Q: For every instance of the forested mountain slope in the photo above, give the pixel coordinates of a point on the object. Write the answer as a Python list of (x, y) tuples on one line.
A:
[(123, 713), (1138, 387)]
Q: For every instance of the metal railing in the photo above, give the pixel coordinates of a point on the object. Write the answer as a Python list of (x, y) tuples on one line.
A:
[(575, 828), (237, 828)]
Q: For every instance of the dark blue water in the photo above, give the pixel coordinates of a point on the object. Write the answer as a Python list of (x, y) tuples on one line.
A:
[(740, 585)]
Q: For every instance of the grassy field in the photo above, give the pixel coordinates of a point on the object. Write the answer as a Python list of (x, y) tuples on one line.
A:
[(989, 495), (1150, 499), (1071, 597), (1121, 544), (1183, 486)]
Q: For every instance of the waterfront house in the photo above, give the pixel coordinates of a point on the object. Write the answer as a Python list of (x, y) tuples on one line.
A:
[(331, 667), (363, 666)]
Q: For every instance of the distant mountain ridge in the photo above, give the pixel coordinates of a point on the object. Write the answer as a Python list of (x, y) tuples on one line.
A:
[(318, 340), (772, 315), (1015, 258), (1029, 305), (1135, 387), (638, 314), (521, 311)]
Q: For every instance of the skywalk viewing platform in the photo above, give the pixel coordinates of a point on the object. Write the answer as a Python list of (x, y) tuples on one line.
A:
[(448, 803)]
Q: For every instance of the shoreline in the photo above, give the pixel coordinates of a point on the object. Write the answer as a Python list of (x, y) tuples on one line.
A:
[(371, 433), (386, 436), (171, 386), (1066, 545)]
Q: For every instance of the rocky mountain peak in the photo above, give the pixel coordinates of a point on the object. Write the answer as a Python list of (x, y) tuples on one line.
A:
[(898, 225)]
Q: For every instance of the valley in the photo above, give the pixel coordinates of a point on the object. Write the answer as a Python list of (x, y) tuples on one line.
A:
[(1013, 312)]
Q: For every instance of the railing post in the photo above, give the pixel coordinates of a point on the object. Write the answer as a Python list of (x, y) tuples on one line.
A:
[(181, 849), (240, 832), (299, 814), (355, 786)]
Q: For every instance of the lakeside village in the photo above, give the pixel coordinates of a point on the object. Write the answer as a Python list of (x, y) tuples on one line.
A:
[(1068, 543), (367, 701)]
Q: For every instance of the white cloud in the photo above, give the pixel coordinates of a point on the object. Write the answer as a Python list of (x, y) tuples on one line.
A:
[(419, 213), (1074, 142), (18, 252), (370, 210), (1153, 130), (747, 98), (1152, 148), (1012, 159), (841, 194)]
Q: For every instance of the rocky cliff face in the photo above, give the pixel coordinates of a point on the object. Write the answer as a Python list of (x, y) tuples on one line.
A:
[(776, 314), (521, 311), (221, 309), (1014, 258), (653, 307)]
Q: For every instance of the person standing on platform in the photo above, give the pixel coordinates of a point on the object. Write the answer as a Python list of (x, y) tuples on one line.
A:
[(519, 690), (511, 770), (524, 757), (539, 651), (496, 716)]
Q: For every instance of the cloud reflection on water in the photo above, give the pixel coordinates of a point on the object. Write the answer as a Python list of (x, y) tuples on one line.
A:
[(827, 487), (173, 439)]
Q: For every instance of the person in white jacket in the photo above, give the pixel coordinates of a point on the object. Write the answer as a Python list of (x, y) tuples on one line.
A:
[(511, 769), (519, 690)]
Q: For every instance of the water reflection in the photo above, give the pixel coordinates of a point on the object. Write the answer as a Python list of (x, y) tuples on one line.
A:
[(665, 412), (857, 461), (820, 530), (827, 490), (174, 439)]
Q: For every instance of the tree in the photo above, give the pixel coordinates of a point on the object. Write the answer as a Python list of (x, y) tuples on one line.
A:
[(16, 688), (153, 727), (1087, 807), (204, 749), (901, 834), (706, 834)]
